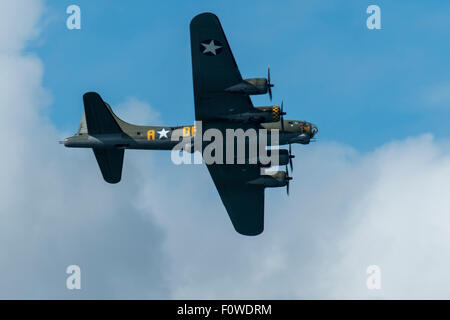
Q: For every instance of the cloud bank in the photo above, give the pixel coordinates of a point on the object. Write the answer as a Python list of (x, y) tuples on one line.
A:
[(346, 211), (163, 232)]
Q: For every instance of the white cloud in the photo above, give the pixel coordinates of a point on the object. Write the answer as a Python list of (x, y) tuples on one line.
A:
[(139, 112), (346, 211), (18, 24), (163, 232), (55, 208)]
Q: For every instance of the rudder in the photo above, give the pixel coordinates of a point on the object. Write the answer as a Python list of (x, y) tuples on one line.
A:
[(98, 115)]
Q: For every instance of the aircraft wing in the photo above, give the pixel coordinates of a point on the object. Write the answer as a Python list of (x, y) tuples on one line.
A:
[(214, 70), (243, 202)]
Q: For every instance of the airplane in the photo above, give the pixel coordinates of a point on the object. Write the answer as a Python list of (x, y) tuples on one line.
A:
[(222, 101)]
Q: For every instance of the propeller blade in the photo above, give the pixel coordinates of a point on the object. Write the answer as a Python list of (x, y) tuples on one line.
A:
[(288, 178), (281, 116), (269, 83), (291, 156)]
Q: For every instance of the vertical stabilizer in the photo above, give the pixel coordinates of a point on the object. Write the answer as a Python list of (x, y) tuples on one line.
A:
[(82, 129)]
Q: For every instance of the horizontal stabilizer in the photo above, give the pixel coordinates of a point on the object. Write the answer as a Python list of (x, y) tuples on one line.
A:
[(110, 162), (99, 116)]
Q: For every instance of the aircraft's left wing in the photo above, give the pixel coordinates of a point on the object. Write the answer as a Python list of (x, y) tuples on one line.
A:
[(214, 70), (243, 202)]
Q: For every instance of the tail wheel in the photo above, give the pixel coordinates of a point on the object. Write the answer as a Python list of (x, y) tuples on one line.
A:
[(276, 113)]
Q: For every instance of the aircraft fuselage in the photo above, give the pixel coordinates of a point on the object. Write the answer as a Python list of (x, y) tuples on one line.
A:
[(159, 137)]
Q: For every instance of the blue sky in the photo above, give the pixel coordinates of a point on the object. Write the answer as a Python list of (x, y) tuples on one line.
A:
[(361, 87)]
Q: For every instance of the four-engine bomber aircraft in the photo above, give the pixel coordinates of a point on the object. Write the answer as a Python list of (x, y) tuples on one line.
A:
[(222, 102)]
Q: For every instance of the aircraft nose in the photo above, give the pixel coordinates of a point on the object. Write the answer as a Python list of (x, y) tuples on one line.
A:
[(314, 131)]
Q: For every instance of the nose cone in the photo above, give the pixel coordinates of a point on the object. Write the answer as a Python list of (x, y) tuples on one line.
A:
[(314, 130)]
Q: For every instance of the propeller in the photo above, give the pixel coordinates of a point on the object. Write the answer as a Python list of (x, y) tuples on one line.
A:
[(291, 156), (287, 178), (282, 113), (269, 84)]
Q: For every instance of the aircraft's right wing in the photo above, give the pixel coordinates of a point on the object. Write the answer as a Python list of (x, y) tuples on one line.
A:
[(214, 70), (243, 202)]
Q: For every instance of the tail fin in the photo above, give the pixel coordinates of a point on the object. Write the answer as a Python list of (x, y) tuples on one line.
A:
[(82, 129), (98, 118)]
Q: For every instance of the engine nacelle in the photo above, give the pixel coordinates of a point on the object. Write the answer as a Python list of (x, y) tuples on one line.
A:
[(282, 160), (274, 179), (251, 86), (273, 113), (261, 115)]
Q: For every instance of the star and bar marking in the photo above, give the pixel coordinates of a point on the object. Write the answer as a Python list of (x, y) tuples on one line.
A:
[(211, 47)]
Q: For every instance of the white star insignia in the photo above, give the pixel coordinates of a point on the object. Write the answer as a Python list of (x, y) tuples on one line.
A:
[(163, 133), (211, 47)]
